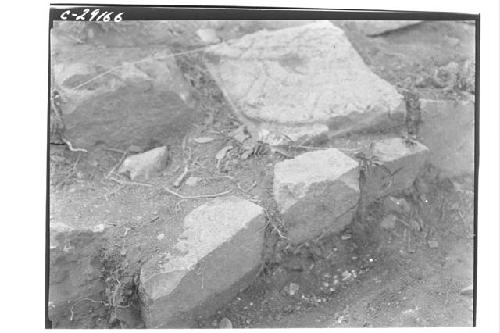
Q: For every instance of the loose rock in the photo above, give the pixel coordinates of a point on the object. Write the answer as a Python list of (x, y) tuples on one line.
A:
[(225, 323), (292, 289), (401, 163), (192, 181), (208, 35), (145, 165), (433, 244), (218, 254), (315, 191), (294, 84)]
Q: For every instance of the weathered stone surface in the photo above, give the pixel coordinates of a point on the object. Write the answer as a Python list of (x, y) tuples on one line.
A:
[(217, 255), (84, 72), (377, 27), (316, 191), (74, 272), (302, 76), (401, 163), (145, 165), (120, 96), (448, 131)]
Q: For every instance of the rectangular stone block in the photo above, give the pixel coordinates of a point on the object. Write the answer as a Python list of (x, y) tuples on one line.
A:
[(216, 256), (399, 164), (316, 191)]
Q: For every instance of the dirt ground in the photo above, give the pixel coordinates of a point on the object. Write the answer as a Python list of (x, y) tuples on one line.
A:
[(368, 276)]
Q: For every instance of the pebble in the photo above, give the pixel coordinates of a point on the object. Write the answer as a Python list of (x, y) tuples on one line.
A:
[(208, 35), (160, 236), (225, 323), (192, 181), (433, 244), (346, 275), (293, 288), (345, 236), (99, 228)]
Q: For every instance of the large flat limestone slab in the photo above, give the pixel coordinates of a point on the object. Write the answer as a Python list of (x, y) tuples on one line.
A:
[(217, 255), (316, 191), (302, 76)]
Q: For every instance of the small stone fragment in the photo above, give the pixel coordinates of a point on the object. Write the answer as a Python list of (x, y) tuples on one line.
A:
[(433, 244), (145, 165), (192, 181), (293, 288), (345, 236), (160, 237), (99, 228), (346, 275), (225, 323), (208, 35)]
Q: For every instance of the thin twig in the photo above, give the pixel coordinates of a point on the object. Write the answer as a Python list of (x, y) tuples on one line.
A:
[(196, 196), (139, 61), (404, 223), (124, 155), (178, 182), (126, 182), (70, 146)]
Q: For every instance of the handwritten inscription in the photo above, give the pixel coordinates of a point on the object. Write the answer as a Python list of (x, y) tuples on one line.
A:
[(94, 15)]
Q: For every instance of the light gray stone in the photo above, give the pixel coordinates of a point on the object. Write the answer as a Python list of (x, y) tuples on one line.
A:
[(401, 162), (145, 165), (302, 78), (82, 72), (218, 254), (193, 181), (121, 96), (316, 191), (448, 130)]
